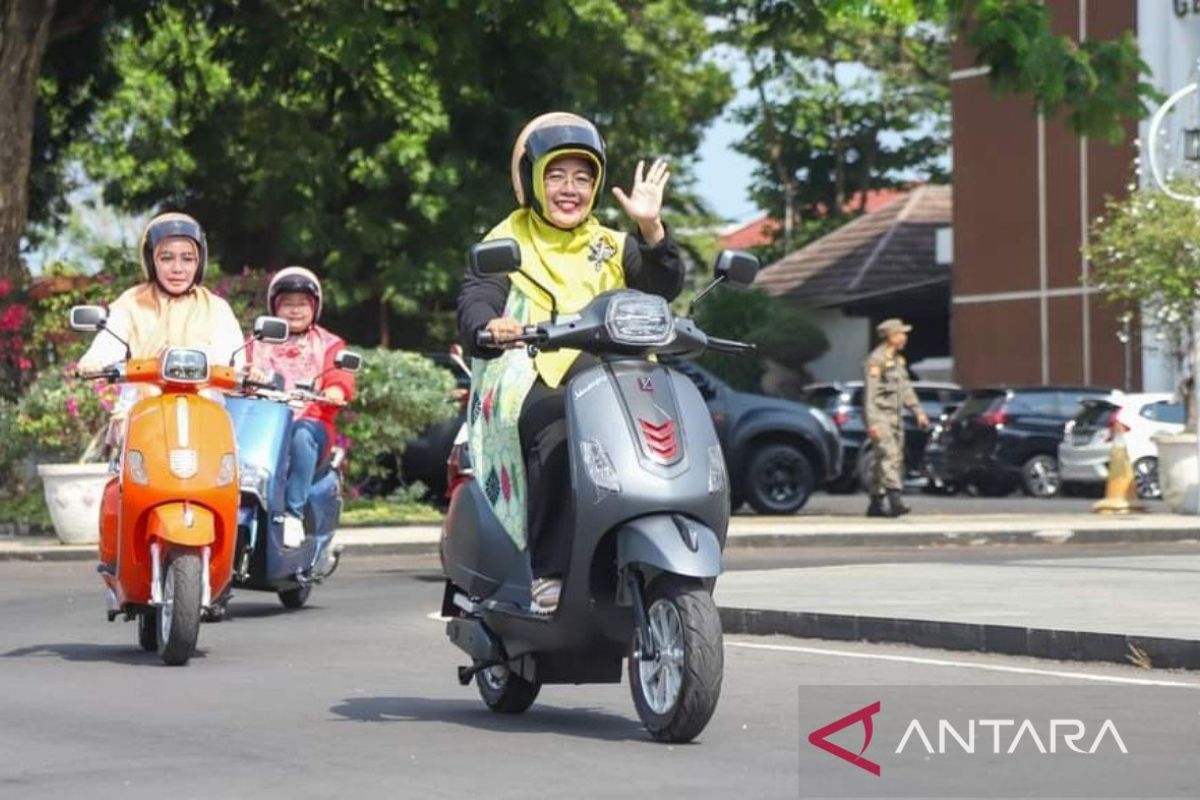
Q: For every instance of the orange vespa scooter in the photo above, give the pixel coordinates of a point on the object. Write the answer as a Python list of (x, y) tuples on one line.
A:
[(169, 518)]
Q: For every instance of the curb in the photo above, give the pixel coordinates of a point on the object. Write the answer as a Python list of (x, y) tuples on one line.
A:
[(1049, 537), (981, 638)]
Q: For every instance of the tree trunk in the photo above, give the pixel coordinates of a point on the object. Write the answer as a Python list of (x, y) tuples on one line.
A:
[(24, 34)]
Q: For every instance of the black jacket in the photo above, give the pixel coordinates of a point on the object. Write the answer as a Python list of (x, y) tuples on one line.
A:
[(657, 270)]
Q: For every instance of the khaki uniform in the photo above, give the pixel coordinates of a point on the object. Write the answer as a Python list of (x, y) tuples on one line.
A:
[(888, 393)]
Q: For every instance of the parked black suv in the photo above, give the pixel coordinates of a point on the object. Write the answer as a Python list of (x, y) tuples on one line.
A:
[(843, 402), (777, 451), (1001, 439)]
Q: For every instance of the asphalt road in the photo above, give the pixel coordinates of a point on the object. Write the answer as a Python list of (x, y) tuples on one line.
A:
[(356, 696)]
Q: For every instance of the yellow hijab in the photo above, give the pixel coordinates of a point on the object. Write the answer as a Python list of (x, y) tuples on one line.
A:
[(158, 320), (576, 264)]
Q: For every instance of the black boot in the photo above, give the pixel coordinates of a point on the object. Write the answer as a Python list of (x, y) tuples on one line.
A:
[(896, 504), (876, 508)]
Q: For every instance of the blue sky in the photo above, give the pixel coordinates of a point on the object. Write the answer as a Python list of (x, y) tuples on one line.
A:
[(722, 174)]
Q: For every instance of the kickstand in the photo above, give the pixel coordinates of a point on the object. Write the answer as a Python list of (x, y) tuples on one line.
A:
[(466, 674)]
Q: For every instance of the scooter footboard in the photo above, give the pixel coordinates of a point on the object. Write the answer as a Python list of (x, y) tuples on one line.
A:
[(672, 543)]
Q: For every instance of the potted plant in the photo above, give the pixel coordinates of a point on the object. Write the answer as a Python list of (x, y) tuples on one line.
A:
[(1145, 253), (59, 420)]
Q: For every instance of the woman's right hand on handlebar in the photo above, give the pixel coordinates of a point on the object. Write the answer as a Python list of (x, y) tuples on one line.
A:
[(504, 331)]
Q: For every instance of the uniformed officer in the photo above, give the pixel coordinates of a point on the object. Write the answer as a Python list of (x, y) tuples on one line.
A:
[(888, 393)]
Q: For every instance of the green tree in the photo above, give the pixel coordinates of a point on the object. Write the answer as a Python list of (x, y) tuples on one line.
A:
[(371, 141)]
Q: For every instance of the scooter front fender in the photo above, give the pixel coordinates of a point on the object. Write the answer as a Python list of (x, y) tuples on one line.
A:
[(185, 524), (672, 543)]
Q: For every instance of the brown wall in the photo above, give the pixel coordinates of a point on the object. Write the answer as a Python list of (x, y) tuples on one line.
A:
[(997, 229)]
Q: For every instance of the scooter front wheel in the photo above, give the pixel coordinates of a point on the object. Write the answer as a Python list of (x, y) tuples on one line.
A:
[(179, 614), (676, 691), (504, 691)]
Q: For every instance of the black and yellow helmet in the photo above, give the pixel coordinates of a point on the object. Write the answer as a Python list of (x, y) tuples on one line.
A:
[(165, 226), (550, 133)]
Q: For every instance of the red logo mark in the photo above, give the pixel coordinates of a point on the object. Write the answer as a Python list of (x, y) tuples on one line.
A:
[(660, 439), (820, 738)]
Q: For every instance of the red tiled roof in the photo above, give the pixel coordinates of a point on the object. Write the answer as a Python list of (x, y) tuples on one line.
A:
[(755, 233), (890, 249)]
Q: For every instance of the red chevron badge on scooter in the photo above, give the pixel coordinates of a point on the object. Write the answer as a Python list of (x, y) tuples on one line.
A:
[(820, 738)]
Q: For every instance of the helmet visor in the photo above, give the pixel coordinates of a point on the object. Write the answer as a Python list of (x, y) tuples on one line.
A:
[(175, 227)]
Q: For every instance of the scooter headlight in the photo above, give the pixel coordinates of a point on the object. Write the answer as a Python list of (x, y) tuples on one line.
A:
[(227, 470), (716, 470), (254, 479), (640, 319), (599, 468), (137, 467)]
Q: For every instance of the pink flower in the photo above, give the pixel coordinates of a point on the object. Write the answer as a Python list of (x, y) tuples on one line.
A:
[(72, 407), (13, 317), (24, 363), (5, 286)]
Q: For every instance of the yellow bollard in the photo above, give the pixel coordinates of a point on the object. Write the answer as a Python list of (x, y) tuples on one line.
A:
[(1120, 492)]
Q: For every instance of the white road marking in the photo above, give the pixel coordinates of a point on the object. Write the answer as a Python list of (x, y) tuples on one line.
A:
[(941, 662)]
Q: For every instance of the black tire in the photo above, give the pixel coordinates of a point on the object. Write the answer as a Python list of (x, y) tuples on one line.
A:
[(1040, 476), (179, 616), (702, 666), (504, 691), (147, 628), (295, 598), (1145, 474), (779, 479)]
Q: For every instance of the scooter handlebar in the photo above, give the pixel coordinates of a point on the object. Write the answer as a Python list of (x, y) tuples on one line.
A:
[(729, 346), (530, 335)]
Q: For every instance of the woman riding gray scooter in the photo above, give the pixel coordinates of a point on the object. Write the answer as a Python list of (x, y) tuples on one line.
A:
[(516, 421)]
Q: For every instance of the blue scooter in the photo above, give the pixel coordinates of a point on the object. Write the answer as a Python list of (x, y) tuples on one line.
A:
[(263, 421)]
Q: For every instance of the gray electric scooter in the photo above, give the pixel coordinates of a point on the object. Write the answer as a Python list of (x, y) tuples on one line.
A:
[(650, 503)]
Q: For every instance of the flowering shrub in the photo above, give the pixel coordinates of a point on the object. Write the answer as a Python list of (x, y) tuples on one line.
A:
[(15, 364), (398, 395), (59, 415)]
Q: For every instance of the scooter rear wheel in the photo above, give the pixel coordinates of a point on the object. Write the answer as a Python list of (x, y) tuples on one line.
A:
[(676, 692), (179, 614), (295, 598), (504, 691)]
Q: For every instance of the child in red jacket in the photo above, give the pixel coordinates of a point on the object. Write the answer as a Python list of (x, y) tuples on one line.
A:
[(295, 295)]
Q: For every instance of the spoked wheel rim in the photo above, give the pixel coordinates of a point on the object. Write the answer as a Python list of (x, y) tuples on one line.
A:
[(1145, 475), (662, 676), (1042, 475), (781, 480), (167, 610)]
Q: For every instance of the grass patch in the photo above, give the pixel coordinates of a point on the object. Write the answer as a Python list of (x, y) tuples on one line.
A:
[(376, 511)]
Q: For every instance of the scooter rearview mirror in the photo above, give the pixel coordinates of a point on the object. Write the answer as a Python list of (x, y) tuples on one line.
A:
[(736, 267), (348, 361), (88, 319), (495, 257), (272, 330)]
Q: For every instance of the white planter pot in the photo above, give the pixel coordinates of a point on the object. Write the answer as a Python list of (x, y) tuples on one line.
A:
[(73, 495), (1179, 472)]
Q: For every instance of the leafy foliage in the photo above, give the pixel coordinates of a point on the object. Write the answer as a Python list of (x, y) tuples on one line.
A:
[(782, 332), (398, 394), (59, 415), (371, 141), (1145, 254)]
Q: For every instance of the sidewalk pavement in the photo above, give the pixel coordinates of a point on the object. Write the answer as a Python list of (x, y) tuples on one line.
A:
[(1133, 609), (1143, 610)]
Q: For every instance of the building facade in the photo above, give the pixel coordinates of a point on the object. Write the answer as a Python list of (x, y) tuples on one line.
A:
[(1026, 190)]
